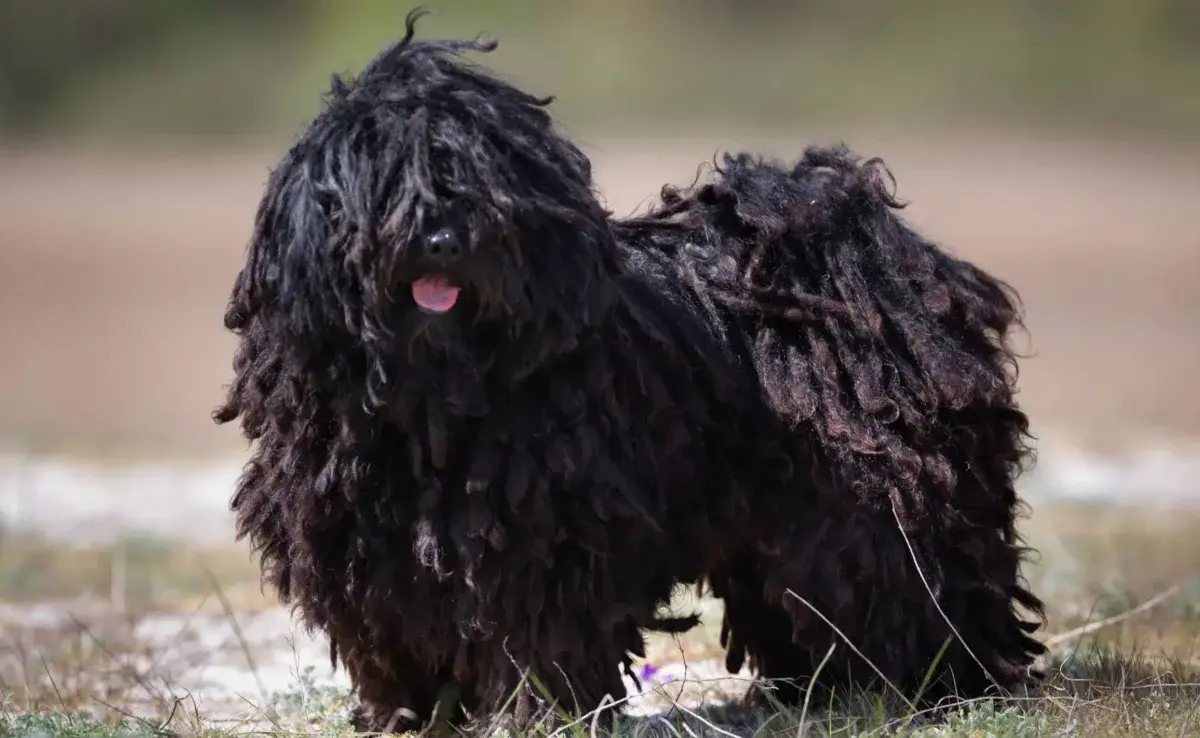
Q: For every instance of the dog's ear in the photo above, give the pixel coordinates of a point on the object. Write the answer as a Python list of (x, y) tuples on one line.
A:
[(288, 250), (253, 281)]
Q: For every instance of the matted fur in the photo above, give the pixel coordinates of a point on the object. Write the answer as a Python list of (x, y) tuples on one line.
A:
[(890, 359), (746, 386)]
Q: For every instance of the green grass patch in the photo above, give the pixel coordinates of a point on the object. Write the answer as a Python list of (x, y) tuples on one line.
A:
[(134, 573)]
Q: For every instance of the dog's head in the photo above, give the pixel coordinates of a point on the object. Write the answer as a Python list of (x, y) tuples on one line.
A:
[(431, 218)]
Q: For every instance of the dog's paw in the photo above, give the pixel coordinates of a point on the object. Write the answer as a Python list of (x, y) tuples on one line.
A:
[(383, 721)]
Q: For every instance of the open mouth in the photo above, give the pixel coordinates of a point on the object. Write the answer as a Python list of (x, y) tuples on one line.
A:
[(434, 294)]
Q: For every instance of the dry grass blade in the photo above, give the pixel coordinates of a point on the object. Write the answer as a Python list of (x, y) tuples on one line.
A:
[(261, 713), (676, 705), (187, 624), (604, 702), (802, 728), (1083, 630), (57, 692), (148, 724), (933, 598), (237, 631), (857, 652), (138, 676)]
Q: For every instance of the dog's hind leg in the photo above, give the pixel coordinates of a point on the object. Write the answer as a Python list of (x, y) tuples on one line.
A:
[(914, 619), (397, 697), (758, 633), (552, 682)]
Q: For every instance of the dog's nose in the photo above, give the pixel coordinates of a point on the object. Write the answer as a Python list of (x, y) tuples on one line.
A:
[(444, 247)]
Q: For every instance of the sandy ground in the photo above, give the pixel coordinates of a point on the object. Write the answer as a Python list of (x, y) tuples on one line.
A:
[(238, 670), (115, 268)]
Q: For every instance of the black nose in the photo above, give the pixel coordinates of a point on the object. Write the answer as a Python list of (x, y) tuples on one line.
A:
[(444, 247)]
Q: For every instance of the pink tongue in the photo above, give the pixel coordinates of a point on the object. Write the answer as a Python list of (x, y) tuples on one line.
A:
[(434, 294)]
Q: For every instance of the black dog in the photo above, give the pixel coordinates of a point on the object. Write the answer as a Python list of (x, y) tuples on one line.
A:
[(495, 428)]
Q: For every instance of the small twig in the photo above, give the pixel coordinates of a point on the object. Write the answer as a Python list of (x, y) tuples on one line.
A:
[(668, 726), (595, 731), (159, 730), (116, 580), (854, 648), (933, 598), (195, 716), (174, 709), (53, 684), (139, 677), (262, 713), (1083, 630), (711, 726), (570, 687), (590, 714), (152, 669), (237, 631)]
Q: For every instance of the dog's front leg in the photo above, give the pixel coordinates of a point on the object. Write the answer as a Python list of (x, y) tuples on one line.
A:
[(556, 660), (397, 693)]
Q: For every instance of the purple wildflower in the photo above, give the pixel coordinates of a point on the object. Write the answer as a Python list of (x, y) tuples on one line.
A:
[(647, 672)]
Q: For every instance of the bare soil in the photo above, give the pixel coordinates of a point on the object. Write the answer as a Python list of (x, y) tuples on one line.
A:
[(115, 268)]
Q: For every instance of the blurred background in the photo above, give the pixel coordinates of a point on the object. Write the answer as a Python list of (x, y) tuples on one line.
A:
[(1056, 143)]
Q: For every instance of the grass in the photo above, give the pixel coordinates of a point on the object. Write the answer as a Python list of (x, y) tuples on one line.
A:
[(1124, 609), (134, 573)]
